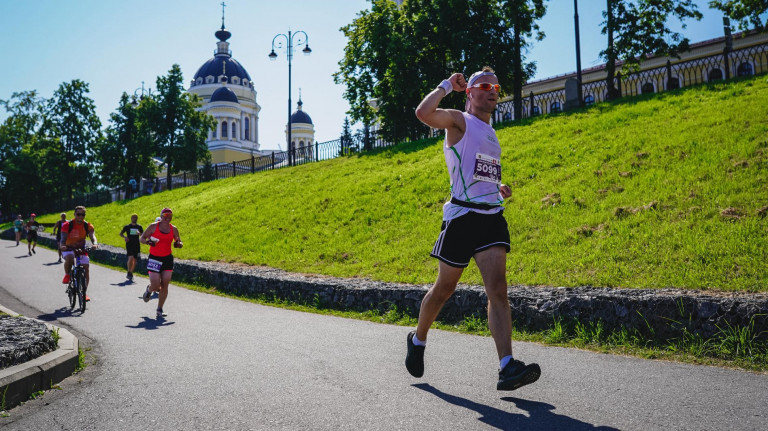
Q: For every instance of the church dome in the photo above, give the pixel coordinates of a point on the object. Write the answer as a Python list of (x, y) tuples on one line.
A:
[(300, 116), (222, 63), (224, 94)]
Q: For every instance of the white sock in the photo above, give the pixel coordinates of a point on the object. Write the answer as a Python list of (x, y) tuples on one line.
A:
[(504, 361), (417, 342)]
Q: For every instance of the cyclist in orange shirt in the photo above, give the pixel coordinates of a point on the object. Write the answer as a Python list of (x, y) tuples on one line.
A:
[(160, 236), (73, 235)]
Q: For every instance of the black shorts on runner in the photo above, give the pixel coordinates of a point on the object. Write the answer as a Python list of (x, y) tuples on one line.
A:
[(32, 236), (471, 233), (159, 263), (133, 250)]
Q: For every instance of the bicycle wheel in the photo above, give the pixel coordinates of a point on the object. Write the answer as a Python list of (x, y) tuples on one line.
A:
[(72, 293), (81, 290)]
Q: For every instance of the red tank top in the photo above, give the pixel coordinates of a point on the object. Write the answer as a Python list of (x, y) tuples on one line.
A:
[(163, 247)]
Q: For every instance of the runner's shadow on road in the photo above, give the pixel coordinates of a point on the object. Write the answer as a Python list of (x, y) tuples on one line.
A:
[(150, 324), (53, 263), (56, 315), (124, 283), (540, 415), (22, 257)]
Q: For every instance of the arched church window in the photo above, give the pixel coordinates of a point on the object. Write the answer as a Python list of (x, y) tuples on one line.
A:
[(647, 88), (715, 75), (224, 132), (213, 133), (247, 136), (234, 130), (209, 79), (745, 69), (235, 80)]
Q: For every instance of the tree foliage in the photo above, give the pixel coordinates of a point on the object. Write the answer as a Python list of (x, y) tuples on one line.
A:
[(179, 129), (127, 150), (72, 129), (395, 54), (637, 29), (750, 14)]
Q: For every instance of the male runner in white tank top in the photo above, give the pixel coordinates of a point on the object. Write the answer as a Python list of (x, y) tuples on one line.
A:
[(473, 221)]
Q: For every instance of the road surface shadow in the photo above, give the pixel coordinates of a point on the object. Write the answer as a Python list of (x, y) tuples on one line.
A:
[(540, 415), (22, 257), (150, 324), (124, 283), (53, 263), (61, 312)]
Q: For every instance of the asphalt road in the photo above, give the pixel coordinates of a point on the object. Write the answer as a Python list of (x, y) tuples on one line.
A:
[(218, 363)]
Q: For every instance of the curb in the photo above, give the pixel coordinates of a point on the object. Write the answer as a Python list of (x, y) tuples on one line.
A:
[(20, 381)]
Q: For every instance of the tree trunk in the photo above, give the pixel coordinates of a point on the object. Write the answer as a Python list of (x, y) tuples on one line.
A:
[(517, 85)]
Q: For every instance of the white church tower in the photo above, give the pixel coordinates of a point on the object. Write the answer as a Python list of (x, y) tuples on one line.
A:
[(228, 95)]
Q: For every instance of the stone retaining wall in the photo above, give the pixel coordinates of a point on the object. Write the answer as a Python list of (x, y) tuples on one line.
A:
[(662, 313)]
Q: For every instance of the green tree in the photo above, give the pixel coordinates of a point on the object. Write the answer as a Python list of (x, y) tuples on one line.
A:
[(346, 141), (522, 17), (180, 130), (22, 186), (396, 54), (127, 149), (71, 124), (638, 29), (750, 14)]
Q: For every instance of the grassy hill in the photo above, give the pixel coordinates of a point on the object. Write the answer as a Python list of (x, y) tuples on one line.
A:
[(664, 190)]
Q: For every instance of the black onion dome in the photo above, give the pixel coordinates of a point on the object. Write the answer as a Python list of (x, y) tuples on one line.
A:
[(300, 117), (224, 94), (215, 67)]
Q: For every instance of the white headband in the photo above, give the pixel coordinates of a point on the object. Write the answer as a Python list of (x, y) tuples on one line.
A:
[(477, 75)]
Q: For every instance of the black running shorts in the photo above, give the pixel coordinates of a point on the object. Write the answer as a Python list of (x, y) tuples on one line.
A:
[(471, 233), (132, 250), (159, 263)]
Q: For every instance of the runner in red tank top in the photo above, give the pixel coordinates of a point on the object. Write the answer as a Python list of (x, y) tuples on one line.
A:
[(160, 236)]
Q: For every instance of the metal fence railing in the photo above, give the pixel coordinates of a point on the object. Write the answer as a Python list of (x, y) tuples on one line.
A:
[(747, 61), (742, 62)]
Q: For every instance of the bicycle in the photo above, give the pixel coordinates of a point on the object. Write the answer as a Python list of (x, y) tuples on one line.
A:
[(77, 285)]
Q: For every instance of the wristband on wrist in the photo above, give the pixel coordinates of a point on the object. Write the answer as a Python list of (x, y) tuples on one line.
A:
[(447, 86)]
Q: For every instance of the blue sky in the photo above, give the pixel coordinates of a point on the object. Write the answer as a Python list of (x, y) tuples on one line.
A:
[(115, 45)]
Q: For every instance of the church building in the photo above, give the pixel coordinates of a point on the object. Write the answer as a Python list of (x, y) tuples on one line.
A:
[(228, 95)]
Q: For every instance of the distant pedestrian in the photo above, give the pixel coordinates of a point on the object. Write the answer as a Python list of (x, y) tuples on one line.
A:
[(131, 188), (31, 227), (473, 222), (57, 231), (131, 234), (160, 236), (18, 225)]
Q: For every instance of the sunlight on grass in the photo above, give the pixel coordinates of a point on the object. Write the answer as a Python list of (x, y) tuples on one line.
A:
[(665, 192)]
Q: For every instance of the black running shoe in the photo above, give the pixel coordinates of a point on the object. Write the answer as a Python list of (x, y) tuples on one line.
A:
[(129, 276), (414, 361), (147, 295), (516, 375)]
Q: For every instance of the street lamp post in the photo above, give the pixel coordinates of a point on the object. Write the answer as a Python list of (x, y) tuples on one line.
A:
[(141, 94), (302, 39)]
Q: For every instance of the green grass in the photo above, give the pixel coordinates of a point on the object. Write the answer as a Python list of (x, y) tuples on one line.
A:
[(665, 190)]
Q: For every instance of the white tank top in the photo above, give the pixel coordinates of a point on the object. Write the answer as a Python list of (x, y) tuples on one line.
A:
[(474, 166)]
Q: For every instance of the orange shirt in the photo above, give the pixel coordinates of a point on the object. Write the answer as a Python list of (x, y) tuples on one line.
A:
[(163, 247), (76, 238)]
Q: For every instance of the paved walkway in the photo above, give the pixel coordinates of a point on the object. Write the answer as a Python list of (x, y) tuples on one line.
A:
[(218, 363)]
